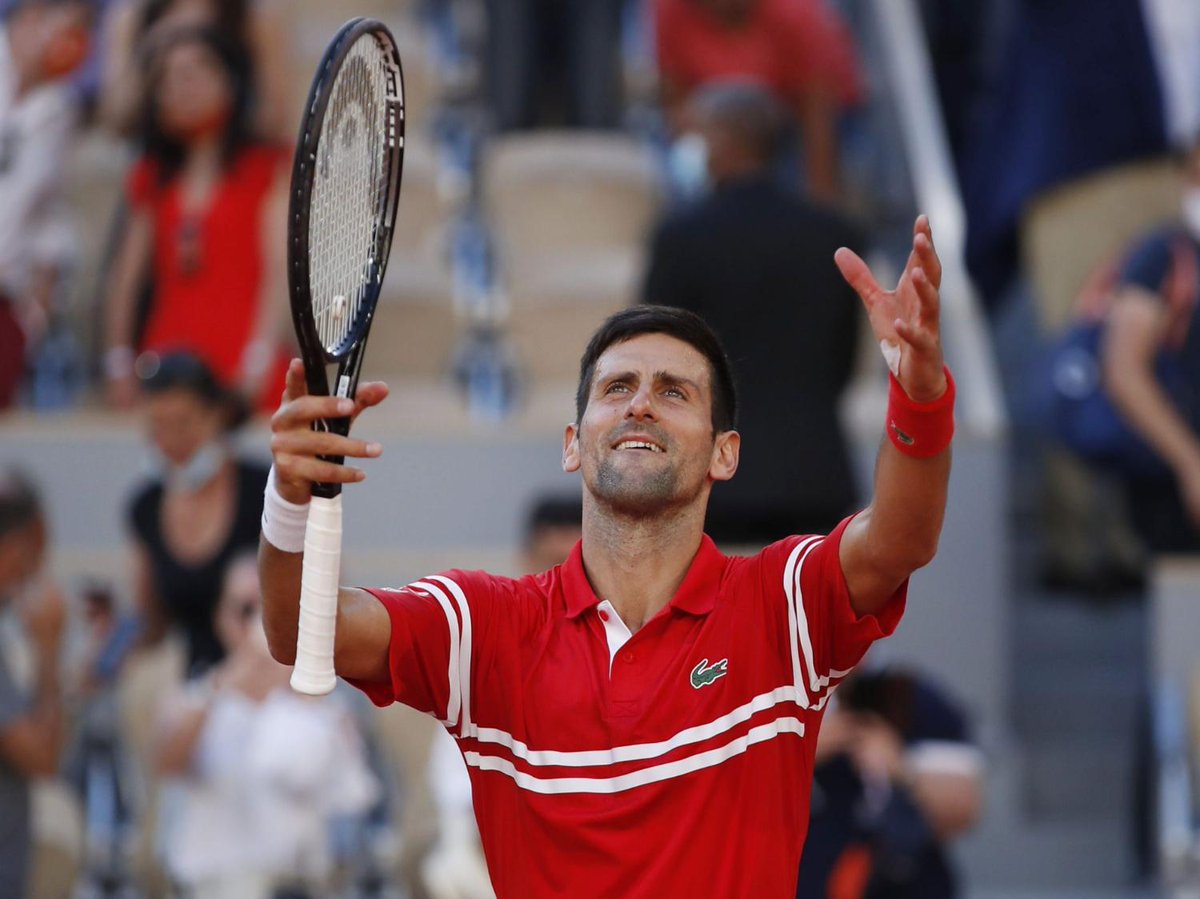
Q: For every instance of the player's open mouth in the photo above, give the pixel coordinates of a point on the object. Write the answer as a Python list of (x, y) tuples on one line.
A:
[(639, 445)]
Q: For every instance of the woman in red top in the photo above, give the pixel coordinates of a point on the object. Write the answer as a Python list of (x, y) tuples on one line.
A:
[(207, 225)]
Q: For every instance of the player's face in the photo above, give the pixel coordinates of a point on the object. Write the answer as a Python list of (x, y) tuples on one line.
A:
[(646, 442)]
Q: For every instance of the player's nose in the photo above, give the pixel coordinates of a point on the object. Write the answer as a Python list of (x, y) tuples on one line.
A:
[(641, 404)]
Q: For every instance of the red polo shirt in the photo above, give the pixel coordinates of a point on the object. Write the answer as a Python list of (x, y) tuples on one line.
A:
[(673, 762), (791, 46)]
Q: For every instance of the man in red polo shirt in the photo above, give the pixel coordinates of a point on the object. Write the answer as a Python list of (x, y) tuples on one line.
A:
[(640, 721), (800, 49)]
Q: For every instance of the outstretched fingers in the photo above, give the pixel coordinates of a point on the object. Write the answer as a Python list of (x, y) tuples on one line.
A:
[(926, 252), (858, 275)]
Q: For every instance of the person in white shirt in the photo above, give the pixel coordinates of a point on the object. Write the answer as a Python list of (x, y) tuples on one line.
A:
[(259, 772)]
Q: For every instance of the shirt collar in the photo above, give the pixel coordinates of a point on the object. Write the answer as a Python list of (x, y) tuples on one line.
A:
[(696, 595)]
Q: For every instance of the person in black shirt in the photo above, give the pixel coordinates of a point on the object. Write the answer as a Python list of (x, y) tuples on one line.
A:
[(200, 512), (755, 260), (897, 778)]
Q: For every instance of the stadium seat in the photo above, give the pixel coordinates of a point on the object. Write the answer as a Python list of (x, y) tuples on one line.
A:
[(414, 329), (318, 20), (570, 213)]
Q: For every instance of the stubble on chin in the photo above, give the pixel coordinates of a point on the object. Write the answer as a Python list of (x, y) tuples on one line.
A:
[(635, 494)]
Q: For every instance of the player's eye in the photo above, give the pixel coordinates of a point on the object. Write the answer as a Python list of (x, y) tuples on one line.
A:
[(676, 393), (617, 387)]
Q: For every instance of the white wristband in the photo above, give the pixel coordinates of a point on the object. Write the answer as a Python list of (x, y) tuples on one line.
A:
[(283, 522)]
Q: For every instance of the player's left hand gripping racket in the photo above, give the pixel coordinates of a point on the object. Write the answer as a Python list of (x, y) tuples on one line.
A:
[(344, 190)]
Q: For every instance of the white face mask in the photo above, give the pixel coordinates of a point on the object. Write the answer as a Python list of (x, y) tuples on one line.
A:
[(1191, 210), (687, 164), (195, 473)]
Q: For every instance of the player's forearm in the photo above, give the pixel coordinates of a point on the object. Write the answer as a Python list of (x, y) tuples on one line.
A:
[(279, 575), (906, 513)]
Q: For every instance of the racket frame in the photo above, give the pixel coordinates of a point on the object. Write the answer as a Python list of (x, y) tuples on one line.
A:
[(348, 355)]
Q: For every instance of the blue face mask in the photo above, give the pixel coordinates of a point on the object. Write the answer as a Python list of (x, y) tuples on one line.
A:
[(687, 165), (196, 472)]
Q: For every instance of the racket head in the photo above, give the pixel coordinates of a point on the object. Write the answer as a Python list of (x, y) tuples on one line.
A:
[(345, 188)]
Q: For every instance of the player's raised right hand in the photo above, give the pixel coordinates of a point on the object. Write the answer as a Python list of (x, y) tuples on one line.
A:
[(295, 446)]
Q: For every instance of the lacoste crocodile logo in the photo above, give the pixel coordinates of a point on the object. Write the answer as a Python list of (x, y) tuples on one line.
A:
[(704, 674)]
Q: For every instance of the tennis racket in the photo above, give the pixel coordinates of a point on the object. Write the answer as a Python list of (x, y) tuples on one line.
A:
[(344, 190)]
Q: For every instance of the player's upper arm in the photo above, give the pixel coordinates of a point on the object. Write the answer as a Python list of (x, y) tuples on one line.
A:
[(364, 633), (830, 638)]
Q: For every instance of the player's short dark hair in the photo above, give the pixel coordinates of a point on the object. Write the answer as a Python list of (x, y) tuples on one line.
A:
[(678, 323), (20, 505)]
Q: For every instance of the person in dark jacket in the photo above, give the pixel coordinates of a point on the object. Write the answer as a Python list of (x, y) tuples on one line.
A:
[(755, 260)]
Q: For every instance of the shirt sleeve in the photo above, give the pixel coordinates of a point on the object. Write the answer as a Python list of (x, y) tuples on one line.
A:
[(667, 39), (1148, 264), (828, 638), (440, 629)]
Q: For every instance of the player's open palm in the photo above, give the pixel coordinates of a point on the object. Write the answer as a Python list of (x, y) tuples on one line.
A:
[(905, 320)]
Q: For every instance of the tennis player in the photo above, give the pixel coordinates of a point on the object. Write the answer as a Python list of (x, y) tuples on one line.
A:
[(640, 721)]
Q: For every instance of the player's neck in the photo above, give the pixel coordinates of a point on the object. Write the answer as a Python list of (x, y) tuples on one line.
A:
[(638, 564)]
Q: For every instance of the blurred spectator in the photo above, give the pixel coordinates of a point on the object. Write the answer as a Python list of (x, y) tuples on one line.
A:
[(1059, 110), (552, 62), (800, 49), (455, 867), (553, 529), (756, 262), (134, 30), (1150, 361), (207, 223), (31, 721), (897, 778), (202, 508), (262, 772), (41, 42)]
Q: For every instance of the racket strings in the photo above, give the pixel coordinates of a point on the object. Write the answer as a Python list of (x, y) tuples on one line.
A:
[(349, 191)]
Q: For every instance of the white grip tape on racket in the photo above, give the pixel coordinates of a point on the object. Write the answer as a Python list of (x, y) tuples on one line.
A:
[(314, 673)]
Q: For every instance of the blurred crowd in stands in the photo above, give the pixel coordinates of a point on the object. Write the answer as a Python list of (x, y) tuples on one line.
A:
[(565, 158)]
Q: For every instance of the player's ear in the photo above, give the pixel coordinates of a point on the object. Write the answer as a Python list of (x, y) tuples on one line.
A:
[(726, 448), (570, 456)]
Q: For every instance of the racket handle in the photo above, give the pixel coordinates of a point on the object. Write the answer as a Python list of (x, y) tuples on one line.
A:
[(314, 673)]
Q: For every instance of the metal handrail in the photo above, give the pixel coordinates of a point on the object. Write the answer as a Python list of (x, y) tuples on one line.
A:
[(905, 58)]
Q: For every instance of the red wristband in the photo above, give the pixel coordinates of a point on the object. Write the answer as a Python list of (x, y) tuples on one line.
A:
[(920, 430)]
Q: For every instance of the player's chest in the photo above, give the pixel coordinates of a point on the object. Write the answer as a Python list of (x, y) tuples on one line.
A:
[(586, 684)]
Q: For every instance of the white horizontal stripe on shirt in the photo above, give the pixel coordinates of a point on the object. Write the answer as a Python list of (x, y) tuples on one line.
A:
[(653, 774), (640, 751)]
